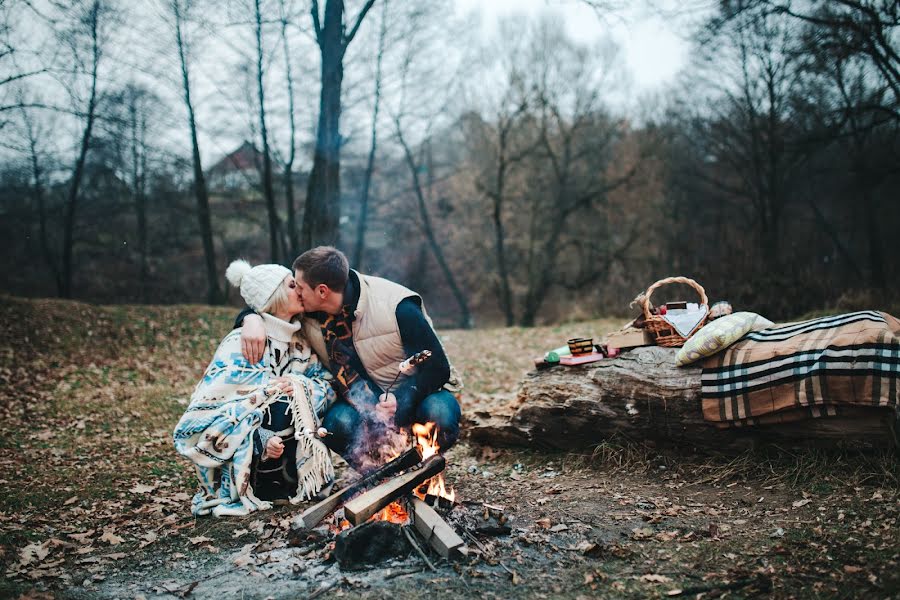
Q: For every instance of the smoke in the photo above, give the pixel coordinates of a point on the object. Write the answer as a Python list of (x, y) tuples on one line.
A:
[(375, 443)]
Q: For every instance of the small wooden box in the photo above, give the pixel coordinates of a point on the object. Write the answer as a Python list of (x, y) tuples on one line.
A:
[(630, 337)]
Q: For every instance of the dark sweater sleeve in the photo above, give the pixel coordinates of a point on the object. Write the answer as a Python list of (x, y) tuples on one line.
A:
[(239, 322), (418, 335)]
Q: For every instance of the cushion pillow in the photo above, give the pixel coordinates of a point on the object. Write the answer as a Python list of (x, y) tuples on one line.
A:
[(716, 336)]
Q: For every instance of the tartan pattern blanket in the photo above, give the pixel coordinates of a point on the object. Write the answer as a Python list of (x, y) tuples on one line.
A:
[(226, 408), (804, 370)]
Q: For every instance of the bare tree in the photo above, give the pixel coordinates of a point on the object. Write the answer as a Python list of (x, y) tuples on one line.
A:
[(136, 100), (214, 293), (39, 195), (323, 198), (89, 19), (290, 207), (571, 172), (268, 189), (359, 248), (465, 316)]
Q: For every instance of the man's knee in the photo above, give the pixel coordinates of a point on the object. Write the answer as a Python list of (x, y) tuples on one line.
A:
[(442, 409), (342, 422)]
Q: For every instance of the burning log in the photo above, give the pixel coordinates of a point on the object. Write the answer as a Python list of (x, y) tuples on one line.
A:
[(311, 517), (362, 507), (435, 530)]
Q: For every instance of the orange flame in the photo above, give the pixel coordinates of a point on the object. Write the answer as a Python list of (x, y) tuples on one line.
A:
[(393, 513), (426, 441)]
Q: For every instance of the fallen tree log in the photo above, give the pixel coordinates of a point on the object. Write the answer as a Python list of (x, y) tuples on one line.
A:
[(642, 395)]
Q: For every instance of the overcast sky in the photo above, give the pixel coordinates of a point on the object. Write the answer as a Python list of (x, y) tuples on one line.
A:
[(651, 43)]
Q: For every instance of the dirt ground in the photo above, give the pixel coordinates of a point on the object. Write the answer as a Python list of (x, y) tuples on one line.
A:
[(95, 502)]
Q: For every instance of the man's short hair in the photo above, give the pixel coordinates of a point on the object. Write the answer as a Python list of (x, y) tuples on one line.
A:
[(324, 264)]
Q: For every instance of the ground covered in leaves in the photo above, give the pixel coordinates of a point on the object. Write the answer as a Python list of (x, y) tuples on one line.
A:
[(95, 501)]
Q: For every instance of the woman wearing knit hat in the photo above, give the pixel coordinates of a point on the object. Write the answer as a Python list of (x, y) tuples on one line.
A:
[(250, 429)]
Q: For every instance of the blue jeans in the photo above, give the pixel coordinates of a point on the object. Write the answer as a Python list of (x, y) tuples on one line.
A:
[(347, 429)]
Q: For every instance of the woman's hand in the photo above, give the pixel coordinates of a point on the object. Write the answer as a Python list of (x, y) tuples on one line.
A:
[(274, 448), (280, 386), (253, 338), (386, 408)]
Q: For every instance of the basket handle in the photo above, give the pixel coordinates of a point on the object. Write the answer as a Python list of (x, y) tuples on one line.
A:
[(645, 299)]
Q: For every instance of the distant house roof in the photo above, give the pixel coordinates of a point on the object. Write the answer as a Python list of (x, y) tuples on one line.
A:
[(245, 158)]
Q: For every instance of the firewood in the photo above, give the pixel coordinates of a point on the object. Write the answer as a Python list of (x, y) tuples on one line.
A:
[(435, 530), (362, 507), (311, 517)]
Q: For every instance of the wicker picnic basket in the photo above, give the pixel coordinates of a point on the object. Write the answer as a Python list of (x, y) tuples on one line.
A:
[(661, 330)]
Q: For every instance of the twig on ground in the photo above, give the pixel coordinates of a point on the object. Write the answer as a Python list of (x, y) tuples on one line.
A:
[(402, 573), (415, 545), (325, 588)]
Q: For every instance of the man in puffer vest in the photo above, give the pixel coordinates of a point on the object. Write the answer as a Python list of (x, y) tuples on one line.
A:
[(362, 328)]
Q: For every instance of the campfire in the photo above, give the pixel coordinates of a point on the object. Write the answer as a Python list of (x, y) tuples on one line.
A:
[(400, 492)]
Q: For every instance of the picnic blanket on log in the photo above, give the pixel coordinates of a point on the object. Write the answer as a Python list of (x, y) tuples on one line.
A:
[(804, 370)]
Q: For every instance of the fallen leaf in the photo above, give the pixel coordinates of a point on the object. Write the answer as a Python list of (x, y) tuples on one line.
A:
[(543, 523), (111, 538), (140, 488), (33, 553), (654, 578), (71, 500), (641, 533), (800, 503), (558, 528), (852, 569), (199, 539), (82, 538)]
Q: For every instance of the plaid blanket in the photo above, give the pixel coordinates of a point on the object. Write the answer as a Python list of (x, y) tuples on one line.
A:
[(804, 370)]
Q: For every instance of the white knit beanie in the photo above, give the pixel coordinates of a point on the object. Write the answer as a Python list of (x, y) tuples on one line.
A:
[(257, 283)]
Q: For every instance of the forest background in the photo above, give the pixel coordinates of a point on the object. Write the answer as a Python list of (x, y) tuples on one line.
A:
[(513, 179)]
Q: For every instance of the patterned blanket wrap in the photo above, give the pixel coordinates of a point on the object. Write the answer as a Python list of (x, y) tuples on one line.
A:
[(226, 408)]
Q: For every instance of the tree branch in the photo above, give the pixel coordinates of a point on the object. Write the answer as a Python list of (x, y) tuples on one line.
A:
[(362, 15)]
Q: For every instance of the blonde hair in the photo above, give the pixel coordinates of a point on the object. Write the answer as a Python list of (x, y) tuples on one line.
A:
[(278, 301)]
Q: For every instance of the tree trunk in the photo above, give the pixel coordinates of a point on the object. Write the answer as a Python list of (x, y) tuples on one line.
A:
[(268, 190), (499, 233), (78, 172), (137, 183), (37, 191), (214, 293), (290, 206), (321, 218), (323, 195), (642, 395), (359, 249), (876, 259)]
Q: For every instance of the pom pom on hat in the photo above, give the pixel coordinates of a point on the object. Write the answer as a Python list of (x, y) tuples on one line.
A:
[(236, 271), (258, 283)]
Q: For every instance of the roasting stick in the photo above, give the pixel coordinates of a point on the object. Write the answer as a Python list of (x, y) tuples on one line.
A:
[(406, 368)]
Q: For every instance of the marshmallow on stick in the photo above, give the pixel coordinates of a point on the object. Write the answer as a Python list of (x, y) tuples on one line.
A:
[(408, 366)]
